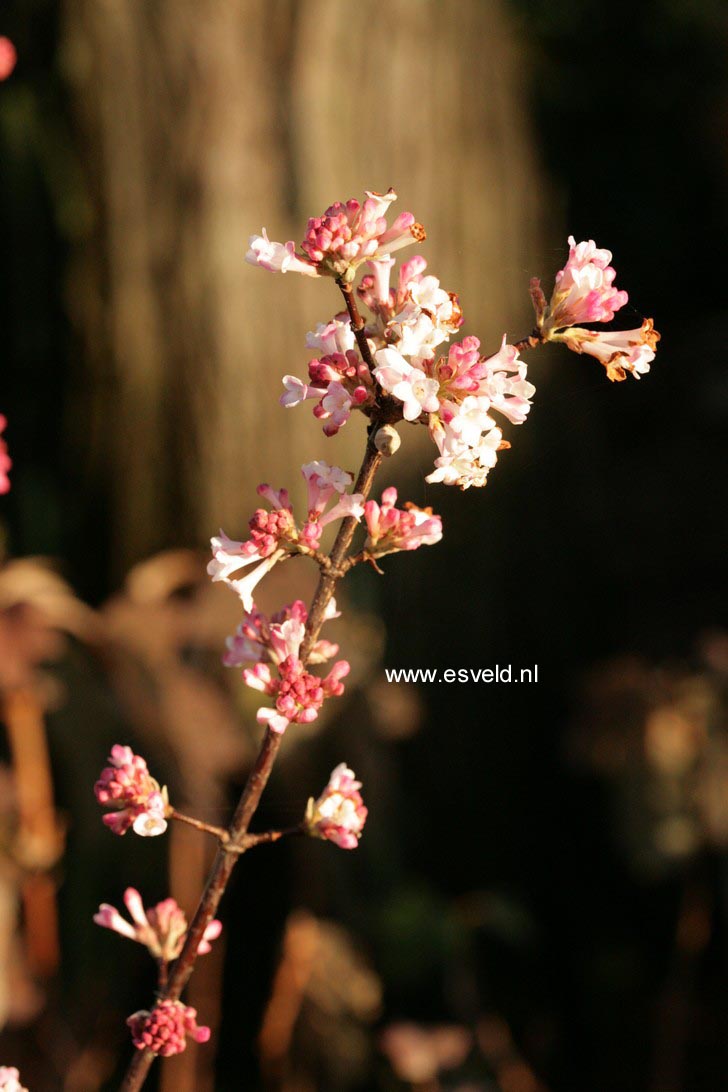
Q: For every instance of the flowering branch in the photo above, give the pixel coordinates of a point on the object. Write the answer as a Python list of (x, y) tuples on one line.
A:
[(388, 367)]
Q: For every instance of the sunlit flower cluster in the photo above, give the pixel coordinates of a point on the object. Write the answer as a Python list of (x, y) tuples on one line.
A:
[(165, 1028), (392, 529), (134, 797), (584, 292), (339, 813), (161, 929), (339, 240), (275, 534), (272, 647)]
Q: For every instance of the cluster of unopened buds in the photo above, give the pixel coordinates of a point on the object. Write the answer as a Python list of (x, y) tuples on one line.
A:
[(394, 361), (136, 800)]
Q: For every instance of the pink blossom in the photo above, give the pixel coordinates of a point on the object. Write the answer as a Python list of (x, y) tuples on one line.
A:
[(325, 483), (278, 257), (127, 787), (348, 234), (275, 534), (161, 929), (411, 386), (620, 351), (468, 466), (5, 461), (8, 60), (343, 383), (583, 290), (164, 1030), (391, 528), (259, 639), (298, 694), (336, 336), (296, 391), (339, 813)]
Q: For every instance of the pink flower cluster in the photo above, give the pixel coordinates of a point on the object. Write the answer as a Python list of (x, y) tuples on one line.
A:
[(392, 529), (416, 317), (5, 461), (408, 321), (584, 292), (10, 1079), (161, 929), (338, 241), (275, 534), (164, 1030), (273, 647), (127, 787), (339, 813), (455, 395)]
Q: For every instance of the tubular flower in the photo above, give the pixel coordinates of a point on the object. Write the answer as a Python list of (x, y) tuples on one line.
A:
[(339, 813), (5, 461), (164, 1030), (161, 929), (275, 534), (392, 529), (620, 351), (458, 393), (127, 787), (298, 694), (340, 380), (339, 240), (261, 640), (10, 1079), (272, 648), (584, 292)]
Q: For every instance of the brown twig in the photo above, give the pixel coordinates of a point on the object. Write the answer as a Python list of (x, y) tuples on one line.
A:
[(219, 832), (237, 840), (533, 340)]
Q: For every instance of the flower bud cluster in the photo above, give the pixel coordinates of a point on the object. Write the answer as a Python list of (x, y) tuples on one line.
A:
[(272, 646), (165, 1028), (339, 813), (339, 240), (136, 800), (392, 529), (275, 534)]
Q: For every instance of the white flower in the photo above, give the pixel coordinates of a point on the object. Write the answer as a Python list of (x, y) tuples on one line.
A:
[(277, 257), (410, 385)]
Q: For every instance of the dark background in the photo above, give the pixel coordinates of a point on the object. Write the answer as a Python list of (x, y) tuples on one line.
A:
[(504, 869)]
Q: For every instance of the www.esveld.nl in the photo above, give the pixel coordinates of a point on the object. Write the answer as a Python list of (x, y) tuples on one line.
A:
[(506, 673)]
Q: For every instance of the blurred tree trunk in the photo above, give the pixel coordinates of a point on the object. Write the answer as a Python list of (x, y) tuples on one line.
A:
[(199, 122)]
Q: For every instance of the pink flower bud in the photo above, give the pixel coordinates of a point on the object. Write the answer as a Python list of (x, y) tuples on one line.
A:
[(135, 798), (339, 813), (164, 1030)]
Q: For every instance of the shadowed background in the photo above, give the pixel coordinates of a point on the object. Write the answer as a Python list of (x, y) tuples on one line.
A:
[(539, 898)]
